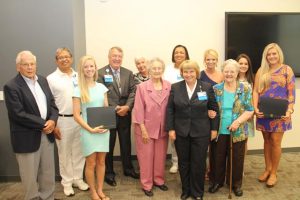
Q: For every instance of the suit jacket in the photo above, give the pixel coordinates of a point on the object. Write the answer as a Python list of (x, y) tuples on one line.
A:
[(126, 97), (190, 116), (24, 116), (150, 108)]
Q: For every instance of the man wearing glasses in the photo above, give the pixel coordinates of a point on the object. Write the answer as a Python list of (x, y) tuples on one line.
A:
[(32, 117), (71, 161)]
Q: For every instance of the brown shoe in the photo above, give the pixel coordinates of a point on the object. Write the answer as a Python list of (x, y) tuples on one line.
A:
[(271, 181), (264, 177)]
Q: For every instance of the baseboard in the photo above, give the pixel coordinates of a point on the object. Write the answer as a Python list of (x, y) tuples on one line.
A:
[(118, 158), (284, 150)]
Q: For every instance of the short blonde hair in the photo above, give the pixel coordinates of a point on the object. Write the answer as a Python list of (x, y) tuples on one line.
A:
[(211, 52), (189, 64)]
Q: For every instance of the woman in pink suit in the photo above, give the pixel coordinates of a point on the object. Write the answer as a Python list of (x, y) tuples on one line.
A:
[(149, 119)]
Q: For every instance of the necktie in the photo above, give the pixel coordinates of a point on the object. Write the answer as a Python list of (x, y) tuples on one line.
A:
[(117, 78)]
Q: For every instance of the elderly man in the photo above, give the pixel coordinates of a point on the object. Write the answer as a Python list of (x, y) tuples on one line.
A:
[(71, 161), (32, 116), (121, 85)]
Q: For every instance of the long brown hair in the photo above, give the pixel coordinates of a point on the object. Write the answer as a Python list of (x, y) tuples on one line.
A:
[(249, 73)]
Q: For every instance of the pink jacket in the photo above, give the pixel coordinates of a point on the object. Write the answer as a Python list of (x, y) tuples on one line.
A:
[(150, 108)]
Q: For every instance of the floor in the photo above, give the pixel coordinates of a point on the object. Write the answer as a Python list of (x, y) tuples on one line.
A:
[(288, 186)]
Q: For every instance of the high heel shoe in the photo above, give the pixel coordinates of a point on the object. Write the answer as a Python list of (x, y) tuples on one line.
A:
[(264, 177), (272, 180)]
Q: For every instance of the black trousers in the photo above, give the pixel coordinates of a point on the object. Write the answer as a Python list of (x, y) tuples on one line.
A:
[(123, 130), (191, 152), (221, 159)]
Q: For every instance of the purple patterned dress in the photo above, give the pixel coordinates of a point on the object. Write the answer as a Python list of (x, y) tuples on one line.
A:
[(282, 87)]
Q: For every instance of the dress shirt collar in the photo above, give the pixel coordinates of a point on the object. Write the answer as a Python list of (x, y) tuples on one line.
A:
[(115, 70), (29, 80), (189, 91), (59, 72)]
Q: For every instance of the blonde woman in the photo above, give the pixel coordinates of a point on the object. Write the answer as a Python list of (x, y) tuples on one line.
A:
[(190, 128), (211, 74), (276, 80), (94, 140)]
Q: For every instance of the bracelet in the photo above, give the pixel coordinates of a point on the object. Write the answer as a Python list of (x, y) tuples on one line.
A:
[(290, 110)]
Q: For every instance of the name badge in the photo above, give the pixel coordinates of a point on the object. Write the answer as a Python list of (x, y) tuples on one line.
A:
[(202, 96), (108, 78), (179, 78), (75, 81)]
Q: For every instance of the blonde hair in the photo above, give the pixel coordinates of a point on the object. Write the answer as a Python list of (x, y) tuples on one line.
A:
[(264, 70), (189, 64), (211, 52), (82, 83)]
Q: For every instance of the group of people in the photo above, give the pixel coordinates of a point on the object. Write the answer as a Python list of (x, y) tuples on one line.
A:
[(198, 111)]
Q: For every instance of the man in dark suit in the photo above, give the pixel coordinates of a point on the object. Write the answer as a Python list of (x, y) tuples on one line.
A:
[(32, 116), (121, 85)]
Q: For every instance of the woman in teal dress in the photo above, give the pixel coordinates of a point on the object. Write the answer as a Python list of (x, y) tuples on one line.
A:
[(275, 80), (94, 140)]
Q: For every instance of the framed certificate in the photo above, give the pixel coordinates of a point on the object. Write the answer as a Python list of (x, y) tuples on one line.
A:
[(101, 116)]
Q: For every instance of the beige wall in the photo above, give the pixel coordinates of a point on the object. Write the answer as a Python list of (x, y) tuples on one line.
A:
[(153, 28)]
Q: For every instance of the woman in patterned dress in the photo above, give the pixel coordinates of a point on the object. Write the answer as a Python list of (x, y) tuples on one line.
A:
[(94, 140), (276, 80), (235, 104)]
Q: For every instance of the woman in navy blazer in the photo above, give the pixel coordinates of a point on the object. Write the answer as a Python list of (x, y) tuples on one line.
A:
[(191, 128)]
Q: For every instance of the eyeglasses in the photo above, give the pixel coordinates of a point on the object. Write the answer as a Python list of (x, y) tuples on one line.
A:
[(28, 64), (63, 57)]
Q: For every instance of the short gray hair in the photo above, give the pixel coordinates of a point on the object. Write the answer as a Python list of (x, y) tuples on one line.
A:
[(25, 52), (156, 59), (231, 62)]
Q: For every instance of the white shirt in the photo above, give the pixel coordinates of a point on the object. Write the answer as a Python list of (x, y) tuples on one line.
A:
[(38, 94), (172, 74), (62, 85), (189, 91)]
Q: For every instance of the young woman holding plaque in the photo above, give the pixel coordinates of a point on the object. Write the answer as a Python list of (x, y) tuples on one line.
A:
[(273, 80), (94, 140)]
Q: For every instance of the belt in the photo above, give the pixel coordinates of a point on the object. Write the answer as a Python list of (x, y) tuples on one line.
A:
[(68, 115)]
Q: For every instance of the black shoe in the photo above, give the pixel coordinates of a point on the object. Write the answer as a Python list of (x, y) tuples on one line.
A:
[(148, 193), (132, 174), (162, 187), (111, 181), (184, 196), (238, 191), (214, 188)]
